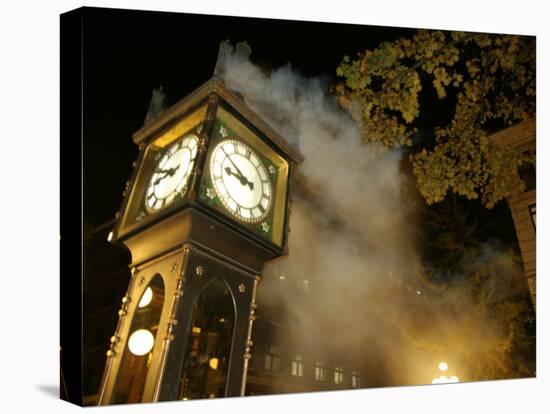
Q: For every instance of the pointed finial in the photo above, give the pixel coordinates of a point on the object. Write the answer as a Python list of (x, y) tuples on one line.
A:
[(157, 105), (223, 52)]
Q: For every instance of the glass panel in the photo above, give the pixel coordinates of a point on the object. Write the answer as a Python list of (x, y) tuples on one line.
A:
[(267, 362), (338, 375), (320, 371), (209, 344), (297, 366), (276, 366), (245, 178), (272, 361), (355, 379), (527, 171), (164, 173), (138, 354)]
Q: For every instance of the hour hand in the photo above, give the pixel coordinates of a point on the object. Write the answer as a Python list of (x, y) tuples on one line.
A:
[(171, 171), (237, 175), (243, 180), (165, 173)]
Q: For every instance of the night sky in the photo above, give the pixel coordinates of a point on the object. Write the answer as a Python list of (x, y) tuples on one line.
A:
[(128, 53)]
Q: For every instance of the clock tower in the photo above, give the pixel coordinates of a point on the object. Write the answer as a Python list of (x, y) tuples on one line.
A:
[(207, 205)]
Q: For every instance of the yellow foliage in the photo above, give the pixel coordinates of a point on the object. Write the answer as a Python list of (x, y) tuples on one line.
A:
[(496, 81)]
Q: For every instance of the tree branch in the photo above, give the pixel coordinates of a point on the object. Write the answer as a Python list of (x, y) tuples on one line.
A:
[(482, 95), (435, 54)]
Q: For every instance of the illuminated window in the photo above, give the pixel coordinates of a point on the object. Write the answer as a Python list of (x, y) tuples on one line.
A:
[(320, 371), (206, 365), (533, 212), (338, 375), (355, 379), (138, 353), (297, 366), (272, 361), (527, 170)]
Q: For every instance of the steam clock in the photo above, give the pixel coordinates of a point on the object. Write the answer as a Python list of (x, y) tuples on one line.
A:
[(207, 205)]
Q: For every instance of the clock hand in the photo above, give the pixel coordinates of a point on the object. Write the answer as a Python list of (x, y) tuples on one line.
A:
[(167, 173), (241, 175), (243, 180), (232, 162), (172, 171)]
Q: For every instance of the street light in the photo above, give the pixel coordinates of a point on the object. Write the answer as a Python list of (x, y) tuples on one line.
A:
[(443, 379)]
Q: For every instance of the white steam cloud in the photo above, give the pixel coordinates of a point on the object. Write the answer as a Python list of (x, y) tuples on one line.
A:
[(352, 237)]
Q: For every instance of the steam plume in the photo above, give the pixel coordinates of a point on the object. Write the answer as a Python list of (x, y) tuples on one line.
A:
[(353, 237)]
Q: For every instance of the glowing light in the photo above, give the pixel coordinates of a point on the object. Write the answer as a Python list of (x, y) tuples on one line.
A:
[(213, 363), (146, 298), (418, 292), (444, 380), (141, 342), (196, 330), (110, 236), (282, 277)]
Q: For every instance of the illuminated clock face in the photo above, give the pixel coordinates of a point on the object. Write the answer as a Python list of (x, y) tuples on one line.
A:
[(171, 174), (241, 181)]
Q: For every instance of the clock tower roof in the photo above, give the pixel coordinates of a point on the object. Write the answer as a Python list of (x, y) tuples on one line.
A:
[(217, 86)]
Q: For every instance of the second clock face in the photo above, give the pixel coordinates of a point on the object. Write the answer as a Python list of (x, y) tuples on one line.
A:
[(241, 181), (171, 174)]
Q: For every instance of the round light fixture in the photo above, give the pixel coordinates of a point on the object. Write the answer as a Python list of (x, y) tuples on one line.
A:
[(213, 363), (141, 342), (443, 366), (146, 298)]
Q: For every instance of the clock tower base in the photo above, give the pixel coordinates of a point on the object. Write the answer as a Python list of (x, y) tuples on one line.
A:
[(205, 313)]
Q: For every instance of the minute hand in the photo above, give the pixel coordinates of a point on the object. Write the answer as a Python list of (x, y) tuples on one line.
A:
[(241, 179), (166, 173), (234, 165)]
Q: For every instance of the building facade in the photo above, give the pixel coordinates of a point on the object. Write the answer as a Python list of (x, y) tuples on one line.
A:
[(521, 138)]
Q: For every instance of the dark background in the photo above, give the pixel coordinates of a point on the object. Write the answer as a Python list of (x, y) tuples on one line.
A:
[(128, 53)]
